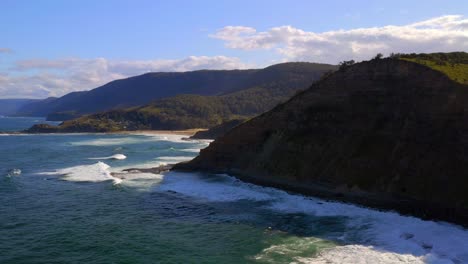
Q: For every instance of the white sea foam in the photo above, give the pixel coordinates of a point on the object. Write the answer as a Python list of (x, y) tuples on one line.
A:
[(114, 157), (372, 236), (100, 172), (294, 248), (194, 150), (389, 231), (141, 181), (112, 141), (162, 137), (358, 254), (97, 172), (14, 172), (227, 190), (179, 139)]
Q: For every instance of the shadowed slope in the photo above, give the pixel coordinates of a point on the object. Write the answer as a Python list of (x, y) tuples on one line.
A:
[(386, 133)]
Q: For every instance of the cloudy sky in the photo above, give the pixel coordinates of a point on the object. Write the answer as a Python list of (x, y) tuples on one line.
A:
[(53, 47)]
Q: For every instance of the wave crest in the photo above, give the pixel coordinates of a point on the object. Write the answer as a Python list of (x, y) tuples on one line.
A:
[(114, 157)]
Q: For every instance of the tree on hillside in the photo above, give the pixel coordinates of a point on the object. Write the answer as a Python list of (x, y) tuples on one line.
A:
[(345, 64), (395, 55), (378, 56)]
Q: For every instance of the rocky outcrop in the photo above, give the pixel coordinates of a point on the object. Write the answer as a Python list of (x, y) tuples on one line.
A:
[(385, 133), (42, 128)]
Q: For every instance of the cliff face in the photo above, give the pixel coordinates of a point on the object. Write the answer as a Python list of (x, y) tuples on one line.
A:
[(385, 133)]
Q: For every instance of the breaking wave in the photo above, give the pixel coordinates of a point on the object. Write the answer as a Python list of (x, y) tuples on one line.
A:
[(114, 157), (371, 236)]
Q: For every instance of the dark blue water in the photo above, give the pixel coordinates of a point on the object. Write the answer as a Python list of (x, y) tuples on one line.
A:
[(60, 203), (12, 124)]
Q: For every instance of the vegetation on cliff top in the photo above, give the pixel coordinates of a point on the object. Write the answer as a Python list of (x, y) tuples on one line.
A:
[(454, 64)]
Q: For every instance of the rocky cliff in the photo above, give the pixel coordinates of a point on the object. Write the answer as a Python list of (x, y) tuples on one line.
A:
[(385, 133)]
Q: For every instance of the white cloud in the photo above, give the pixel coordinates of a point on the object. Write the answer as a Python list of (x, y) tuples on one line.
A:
[(440, 34), (39, 78)]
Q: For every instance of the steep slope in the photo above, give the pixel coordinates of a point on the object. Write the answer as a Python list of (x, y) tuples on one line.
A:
[(143, 89), (387, 133)]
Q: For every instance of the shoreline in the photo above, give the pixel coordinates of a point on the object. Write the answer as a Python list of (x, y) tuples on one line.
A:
[(406, 207), (186, 132)]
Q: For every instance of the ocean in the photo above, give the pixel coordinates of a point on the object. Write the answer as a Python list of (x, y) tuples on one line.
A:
[(60, 203)]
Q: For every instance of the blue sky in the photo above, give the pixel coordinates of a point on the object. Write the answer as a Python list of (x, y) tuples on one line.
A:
[(49, 48)]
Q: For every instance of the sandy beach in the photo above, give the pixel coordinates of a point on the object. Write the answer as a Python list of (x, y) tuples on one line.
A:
[(186, 132)]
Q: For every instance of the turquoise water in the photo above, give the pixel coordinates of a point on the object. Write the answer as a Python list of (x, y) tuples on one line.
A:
[(59, 203)]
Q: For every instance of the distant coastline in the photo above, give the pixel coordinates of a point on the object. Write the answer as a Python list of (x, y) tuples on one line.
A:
[(186, 132)]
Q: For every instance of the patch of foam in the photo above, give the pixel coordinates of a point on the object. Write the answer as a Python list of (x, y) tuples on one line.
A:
[(358, 254), (291, 248), (14, 172), (114, 157), (388, 231), (141, 181), (194, 150), (97, 172), (227, 190), (381, 234), (311, 250), (178, 138), (101, 142), (163, 137)]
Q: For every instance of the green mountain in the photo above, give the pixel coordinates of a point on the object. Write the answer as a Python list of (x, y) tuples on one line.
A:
[(196, 111), (388, 133), (146, 88)]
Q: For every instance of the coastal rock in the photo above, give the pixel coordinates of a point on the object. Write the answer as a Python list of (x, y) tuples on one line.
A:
[(385, 133), (42, 128)]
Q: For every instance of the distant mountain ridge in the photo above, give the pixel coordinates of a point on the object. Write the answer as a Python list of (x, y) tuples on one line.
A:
[(143, 89), (11, 106), (187, 111)]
